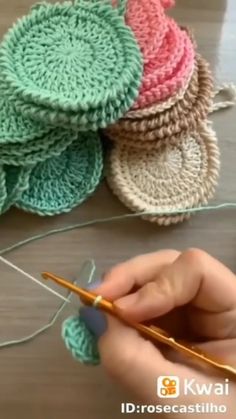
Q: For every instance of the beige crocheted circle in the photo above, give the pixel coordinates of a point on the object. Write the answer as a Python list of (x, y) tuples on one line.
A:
[(183, 117), (179, 176)]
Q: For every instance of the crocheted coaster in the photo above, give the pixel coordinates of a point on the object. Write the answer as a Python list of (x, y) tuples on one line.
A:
[(183, 117), (167, 4), (165, 74), (80, 341), (81, 60), (50, 145), (61, 183), (149, 23), (162, 105), (13, 182), (176, 176), (14, 127)]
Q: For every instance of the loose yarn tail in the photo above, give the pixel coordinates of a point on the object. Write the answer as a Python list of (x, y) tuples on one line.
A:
[(227, 89)]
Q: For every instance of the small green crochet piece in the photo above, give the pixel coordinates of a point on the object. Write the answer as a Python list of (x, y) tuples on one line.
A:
[(61, 183), (80, 341), (14, 127), (73, 63), (49, 145), (13, 182)]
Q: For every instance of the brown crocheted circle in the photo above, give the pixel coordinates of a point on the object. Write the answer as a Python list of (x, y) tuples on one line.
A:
[(180, 176), (183, 117)]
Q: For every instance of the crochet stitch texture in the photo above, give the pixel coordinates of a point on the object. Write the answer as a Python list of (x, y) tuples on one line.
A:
[(167, 65), (80, 341), (180, 175), (13, 182), (79, 61), (14, 127), (183, 117), (71, 68), (49, 145), (60, 183)]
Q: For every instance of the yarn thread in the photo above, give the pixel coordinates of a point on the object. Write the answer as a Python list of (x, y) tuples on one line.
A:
[(41, 330), (77, 320), (20, 271), (83, 65), (90, 64)]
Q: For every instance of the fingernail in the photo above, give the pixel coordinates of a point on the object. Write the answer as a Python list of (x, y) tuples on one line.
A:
[(94, 319)]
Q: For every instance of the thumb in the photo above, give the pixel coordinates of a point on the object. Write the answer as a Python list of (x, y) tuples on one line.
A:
[(136, 363)]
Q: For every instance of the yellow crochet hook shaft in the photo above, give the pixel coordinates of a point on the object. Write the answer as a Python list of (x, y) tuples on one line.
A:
[(152, 332)]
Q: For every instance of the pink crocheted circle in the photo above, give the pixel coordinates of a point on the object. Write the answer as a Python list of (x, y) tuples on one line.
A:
[(167, 4), (169, 68), (149, 23)]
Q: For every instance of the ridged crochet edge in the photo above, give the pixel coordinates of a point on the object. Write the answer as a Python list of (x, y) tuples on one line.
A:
[(11, 39), (121, 189)]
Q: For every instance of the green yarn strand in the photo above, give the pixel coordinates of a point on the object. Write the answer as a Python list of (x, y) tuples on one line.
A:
[(69, 334)]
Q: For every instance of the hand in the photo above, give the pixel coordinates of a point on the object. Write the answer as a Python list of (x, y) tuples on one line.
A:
[(191, 295)]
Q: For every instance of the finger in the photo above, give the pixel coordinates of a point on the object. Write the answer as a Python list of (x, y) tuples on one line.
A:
[(213, 325), (194, 277), (136, 363), (135, 272), (223, 351)]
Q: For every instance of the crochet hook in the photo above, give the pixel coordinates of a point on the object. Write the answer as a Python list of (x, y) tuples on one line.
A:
[(152, 332)]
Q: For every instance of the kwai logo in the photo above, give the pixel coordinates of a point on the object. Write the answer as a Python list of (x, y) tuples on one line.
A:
[(192, 387), (170, 387)]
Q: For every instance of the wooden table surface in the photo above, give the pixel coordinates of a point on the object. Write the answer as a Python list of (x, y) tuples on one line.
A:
[(40, 380)]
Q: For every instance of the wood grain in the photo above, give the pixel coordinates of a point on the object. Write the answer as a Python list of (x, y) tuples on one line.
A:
[(40, 380)]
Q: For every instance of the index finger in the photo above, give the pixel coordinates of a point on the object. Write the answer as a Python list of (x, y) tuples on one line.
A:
[(194, 278), (135, 273)]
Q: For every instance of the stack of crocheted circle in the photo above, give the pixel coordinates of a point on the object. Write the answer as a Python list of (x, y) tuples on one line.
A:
[(60, 183), (161, 181), (167, 49), (165, 156), (180, 115), (32, 156), (66, 69), (73, 64)]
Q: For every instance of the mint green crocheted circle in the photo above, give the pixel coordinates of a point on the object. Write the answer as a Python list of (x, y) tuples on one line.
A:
[(49, 145), (3, 189), (73, 59), (14, 127), (81, 343), (84, 121), (60, 183), (13, 182)]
